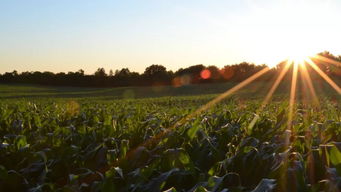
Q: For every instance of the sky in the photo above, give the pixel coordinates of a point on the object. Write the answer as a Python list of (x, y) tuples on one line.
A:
[(68, 35)]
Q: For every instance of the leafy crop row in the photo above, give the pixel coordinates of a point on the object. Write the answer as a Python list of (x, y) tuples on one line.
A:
[(126, 145)]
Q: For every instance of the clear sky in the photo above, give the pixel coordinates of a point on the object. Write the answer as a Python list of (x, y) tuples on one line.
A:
[(67, 35)]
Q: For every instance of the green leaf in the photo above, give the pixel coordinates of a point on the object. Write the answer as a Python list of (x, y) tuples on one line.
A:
[(191, 132), (156, 183), (124, 148), (184, 158), (21, 141), (265, 185), (335, 156), (200, 189), (172, 189), (119, 171)]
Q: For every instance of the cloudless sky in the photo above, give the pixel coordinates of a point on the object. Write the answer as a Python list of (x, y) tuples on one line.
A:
[(67, 35)]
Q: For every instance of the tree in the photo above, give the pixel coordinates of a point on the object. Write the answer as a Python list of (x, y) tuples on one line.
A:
[(15, 73), (156, 75), (155, 70), (123, 73), (111, 73), (80, 72), (193, 72), (100, 72), (215, 73)]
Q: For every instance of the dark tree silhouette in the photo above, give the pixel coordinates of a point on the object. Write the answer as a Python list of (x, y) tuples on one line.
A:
[(100, 72), (156, 74)]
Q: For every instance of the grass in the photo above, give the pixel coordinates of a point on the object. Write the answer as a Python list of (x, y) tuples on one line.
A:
[(255, 90), (8, 91)]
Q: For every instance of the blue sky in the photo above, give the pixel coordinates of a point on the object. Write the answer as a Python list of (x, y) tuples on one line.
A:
[(67, 35)]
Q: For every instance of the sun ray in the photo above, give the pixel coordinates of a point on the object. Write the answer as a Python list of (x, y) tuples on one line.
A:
[(324, 76), (164, 133), (304, 89), (325, 59), (205, 107), (232, 90), (269, 95), (292, 95), (289, 131), (306, 77), (229, 92), (306, 80)]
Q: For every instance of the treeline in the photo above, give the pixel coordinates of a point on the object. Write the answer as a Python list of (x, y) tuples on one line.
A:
[(157, 75)]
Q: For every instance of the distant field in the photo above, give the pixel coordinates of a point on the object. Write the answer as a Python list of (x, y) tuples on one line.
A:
[(254, 90), (28, 91)]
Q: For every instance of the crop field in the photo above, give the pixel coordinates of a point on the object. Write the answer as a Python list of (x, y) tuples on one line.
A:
[(89, 143)]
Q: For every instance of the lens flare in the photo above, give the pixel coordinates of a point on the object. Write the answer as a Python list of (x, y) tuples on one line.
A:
[(205, 74)]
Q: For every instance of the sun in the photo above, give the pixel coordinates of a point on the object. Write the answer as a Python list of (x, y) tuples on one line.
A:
[(297, 51), (299, 57)]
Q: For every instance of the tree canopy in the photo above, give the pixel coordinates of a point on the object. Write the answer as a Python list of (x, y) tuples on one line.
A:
[(157, 75)]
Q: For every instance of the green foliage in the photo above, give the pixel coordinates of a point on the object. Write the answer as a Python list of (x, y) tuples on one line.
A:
[(127, 145)]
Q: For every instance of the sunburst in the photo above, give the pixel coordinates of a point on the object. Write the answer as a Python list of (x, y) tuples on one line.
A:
[(298, 62)]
